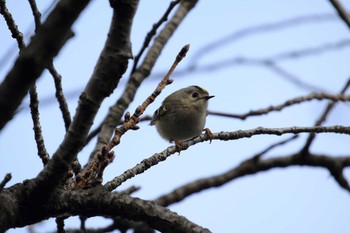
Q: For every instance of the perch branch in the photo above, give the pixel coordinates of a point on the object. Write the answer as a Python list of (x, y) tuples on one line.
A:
[(224, 136)]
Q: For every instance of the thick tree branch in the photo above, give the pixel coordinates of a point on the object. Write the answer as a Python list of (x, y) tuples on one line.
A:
[(108, 71), (99, 202), (45, 45)]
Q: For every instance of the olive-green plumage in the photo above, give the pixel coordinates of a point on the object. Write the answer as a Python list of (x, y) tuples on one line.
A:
[(183, 114)]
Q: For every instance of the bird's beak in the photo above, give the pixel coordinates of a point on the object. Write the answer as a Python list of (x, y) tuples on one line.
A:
[(209, 97)]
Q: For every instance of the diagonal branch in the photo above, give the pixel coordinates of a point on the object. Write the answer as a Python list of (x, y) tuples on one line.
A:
[(341, 12), (6, 179), (153, 32), (322, 119)]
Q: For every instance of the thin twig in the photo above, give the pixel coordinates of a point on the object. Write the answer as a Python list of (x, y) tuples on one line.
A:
[(56, 76), (39, 139), (262, 28), (341, 12), (95, 132), (60, 96), (297, 100), (153, 31), (6, 179), (270, 63), (36, 14), (11, 24), (34, 102), (322, 119)]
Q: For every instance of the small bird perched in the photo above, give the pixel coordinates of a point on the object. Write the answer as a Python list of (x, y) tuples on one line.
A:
[(182, 114)]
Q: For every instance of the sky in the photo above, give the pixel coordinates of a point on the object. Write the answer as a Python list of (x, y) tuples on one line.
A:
[(294, 199)]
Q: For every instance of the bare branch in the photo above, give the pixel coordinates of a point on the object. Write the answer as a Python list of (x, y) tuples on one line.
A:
[(95, 132), (322, 119), (11, 24), (153, 32), (224, 136), (56, 76), (252, 166), (6, 179), (99, 202), (60, 96), (270, 63), (288, 103), (39, 139), (263, 28), (36, 14), (186, 190), (341, 12)]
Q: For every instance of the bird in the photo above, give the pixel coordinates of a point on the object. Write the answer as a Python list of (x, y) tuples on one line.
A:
[(182, 115)]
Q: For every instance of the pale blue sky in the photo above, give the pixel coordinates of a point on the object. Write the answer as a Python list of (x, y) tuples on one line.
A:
[(288, 200)]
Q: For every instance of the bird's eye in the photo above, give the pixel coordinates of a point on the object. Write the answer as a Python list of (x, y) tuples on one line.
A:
[(195, 94)]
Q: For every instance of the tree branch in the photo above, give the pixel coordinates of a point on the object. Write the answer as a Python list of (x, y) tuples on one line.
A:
[(108, 71), (322, 119), (341, 12), (288, 103), (252, 166), (99, 202), (153, 32), (6, 179), (224, 136), (35, 57)]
